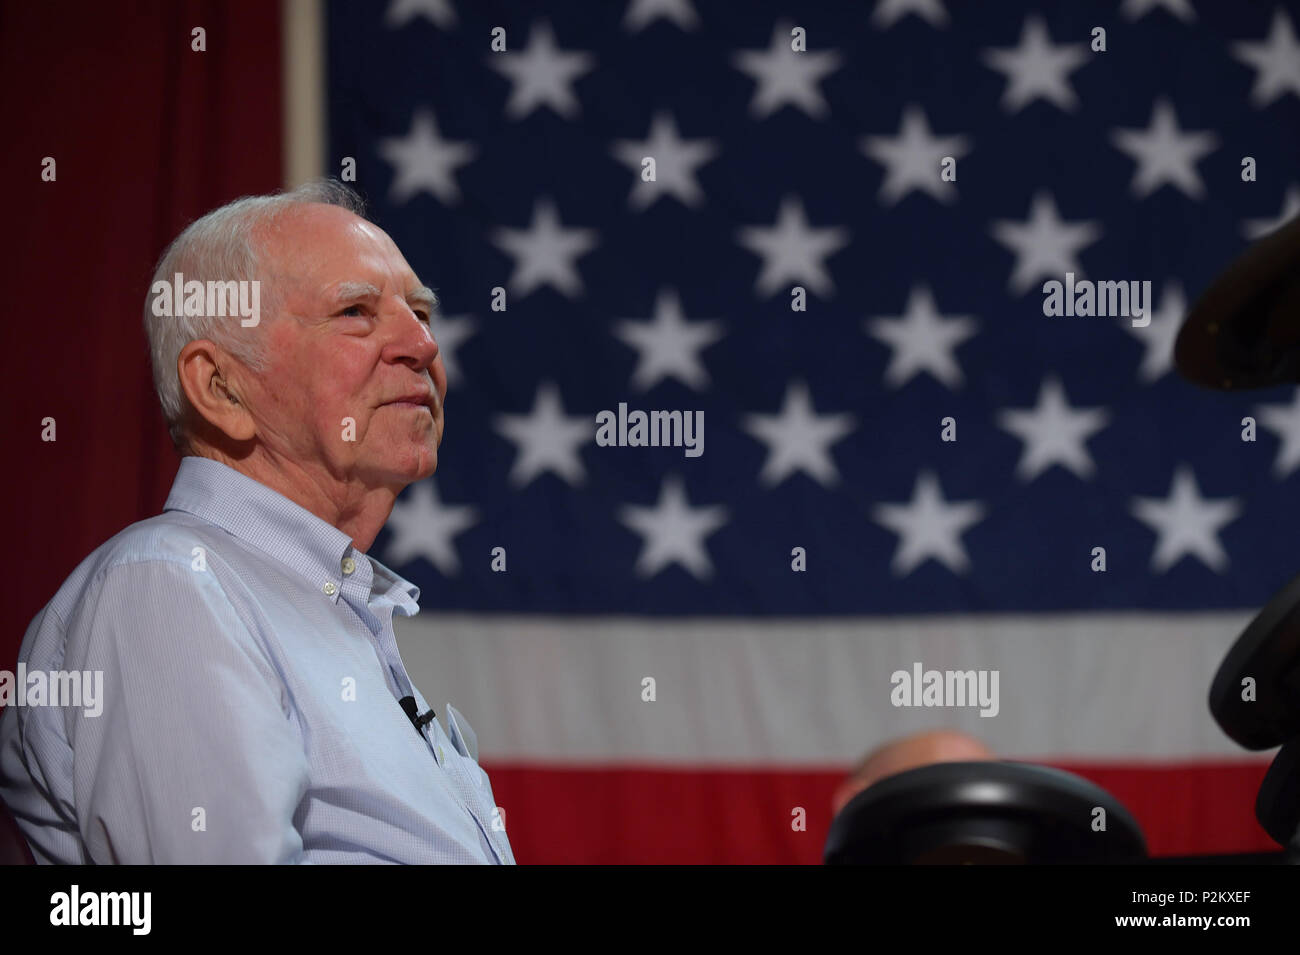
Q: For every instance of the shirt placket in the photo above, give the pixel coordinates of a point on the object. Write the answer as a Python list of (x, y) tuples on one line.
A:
[(453, 775)]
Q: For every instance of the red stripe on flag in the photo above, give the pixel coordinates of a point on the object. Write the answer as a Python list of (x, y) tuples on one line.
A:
[(631, 815)]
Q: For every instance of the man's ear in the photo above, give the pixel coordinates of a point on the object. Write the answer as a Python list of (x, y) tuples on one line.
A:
[(210, 394)]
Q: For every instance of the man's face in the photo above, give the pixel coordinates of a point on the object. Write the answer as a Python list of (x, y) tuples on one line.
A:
[(350, 340)]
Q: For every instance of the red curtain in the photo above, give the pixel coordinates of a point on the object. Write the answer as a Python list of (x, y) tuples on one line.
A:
[(146, 134)]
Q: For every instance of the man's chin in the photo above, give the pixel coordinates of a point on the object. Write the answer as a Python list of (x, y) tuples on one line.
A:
[(406, 469), (426, 464)]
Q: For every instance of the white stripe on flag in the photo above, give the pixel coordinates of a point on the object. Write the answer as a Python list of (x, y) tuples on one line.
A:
[(817, 692)]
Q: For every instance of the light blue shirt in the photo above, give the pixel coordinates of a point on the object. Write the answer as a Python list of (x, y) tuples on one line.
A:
[(250, 701)]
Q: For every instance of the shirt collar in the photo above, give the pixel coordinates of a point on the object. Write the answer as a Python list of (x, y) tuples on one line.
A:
[(288, 532)]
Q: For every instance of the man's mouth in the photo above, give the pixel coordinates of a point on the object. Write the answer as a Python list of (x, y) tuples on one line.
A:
[(416, 400)]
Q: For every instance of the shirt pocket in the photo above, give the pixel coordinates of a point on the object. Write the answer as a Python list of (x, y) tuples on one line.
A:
[(461, 734)]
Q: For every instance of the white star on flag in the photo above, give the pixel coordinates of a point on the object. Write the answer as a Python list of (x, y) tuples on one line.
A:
[(673, 531), (541, 74), (912, 158), (785, 77), (1159, 335), (668, 345), (450, 331), (1258, 228), (1137, 9), (792, 250), (889, 12), (547, 438), (1284, 421), (929, 526), (546, 251), (1276, 61), (798, 439), (1054, 433), (1165, 154), (1037, 68), (922, 340), (424, 161), (675, 159), (641, 13), (1186, 523), (1045, 246), (438, 12), (422, 526)]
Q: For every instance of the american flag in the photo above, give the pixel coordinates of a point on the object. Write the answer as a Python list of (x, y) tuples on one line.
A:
[(827, 226)]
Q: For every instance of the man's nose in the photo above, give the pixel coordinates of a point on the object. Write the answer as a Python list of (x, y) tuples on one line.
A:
[(414, 340)]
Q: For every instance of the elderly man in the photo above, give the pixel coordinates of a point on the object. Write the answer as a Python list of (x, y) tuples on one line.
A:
[(255, 706)]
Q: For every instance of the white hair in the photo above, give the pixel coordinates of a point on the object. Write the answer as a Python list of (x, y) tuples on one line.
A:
[(220, 247)]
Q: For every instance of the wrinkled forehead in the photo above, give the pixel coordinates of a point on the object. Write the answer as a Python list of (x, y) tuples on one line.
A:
[(311, 247)]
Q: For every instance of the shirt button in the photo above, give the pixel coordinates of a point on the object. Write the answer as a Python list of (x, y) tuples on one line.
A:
[(349, 565), (329, 589), (441, 755)]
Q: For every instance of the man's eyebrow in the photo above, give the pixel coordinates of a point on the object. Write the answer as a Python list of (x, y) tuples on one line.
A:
[(353, 290), (423, 296)]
